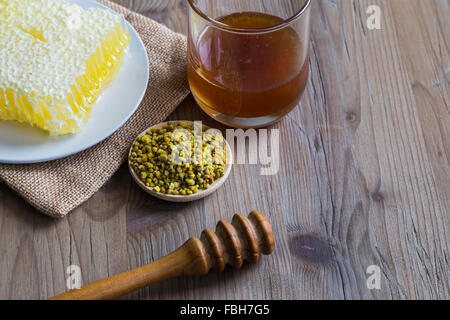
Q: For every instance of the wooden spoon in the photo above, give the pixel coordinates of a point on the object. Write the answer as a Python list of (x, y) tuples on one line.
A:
[(180, 198), (243, 239)]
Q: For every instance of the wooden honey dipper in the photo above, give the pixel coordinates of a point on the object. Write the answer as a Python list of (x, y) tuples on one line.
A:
[(231, 244)]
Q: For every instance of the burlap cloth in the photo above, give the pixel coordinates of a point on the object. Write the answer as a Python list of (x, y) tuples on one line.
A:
[(57, 187)]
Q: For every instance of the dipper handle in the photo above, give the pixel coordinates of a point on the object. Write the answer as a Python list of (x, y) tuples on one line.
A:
[(243, 239)]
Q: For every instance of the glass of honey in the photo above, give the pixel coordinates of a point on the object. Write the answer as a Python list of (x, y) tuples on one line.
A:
[(248, 60)]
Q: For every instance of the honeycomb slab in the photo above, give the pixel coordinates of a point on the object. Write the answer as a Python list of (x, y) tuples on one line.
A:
[(55, 60)]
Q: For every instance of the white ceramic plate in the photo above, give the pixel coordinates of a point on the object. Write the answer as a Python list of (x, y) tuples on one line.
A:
[(20, 143)]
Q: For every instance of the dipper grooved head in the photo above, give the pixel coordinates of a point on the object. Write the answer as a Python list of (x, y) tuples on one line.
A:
[(242, 240)]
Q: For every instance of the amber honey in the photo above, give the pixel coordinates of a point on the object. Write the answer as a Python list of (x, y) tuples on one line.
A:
[(248, 75)]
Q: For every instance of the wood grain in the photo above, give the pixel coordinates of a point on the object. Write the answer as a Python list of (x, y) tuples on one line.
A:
[(364, 180)]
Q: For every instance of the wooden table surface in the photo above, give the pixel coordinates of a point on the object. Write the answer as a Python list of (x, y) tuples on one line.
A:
[(364, 179)]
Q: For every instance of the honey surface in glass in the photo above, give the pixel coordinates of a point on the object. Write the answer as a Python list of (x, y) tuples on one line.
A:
[(248, 75)]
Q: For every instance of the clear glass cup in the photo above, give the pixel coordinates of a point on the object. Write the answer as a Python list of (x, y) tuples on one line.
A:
[(248, 60)]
